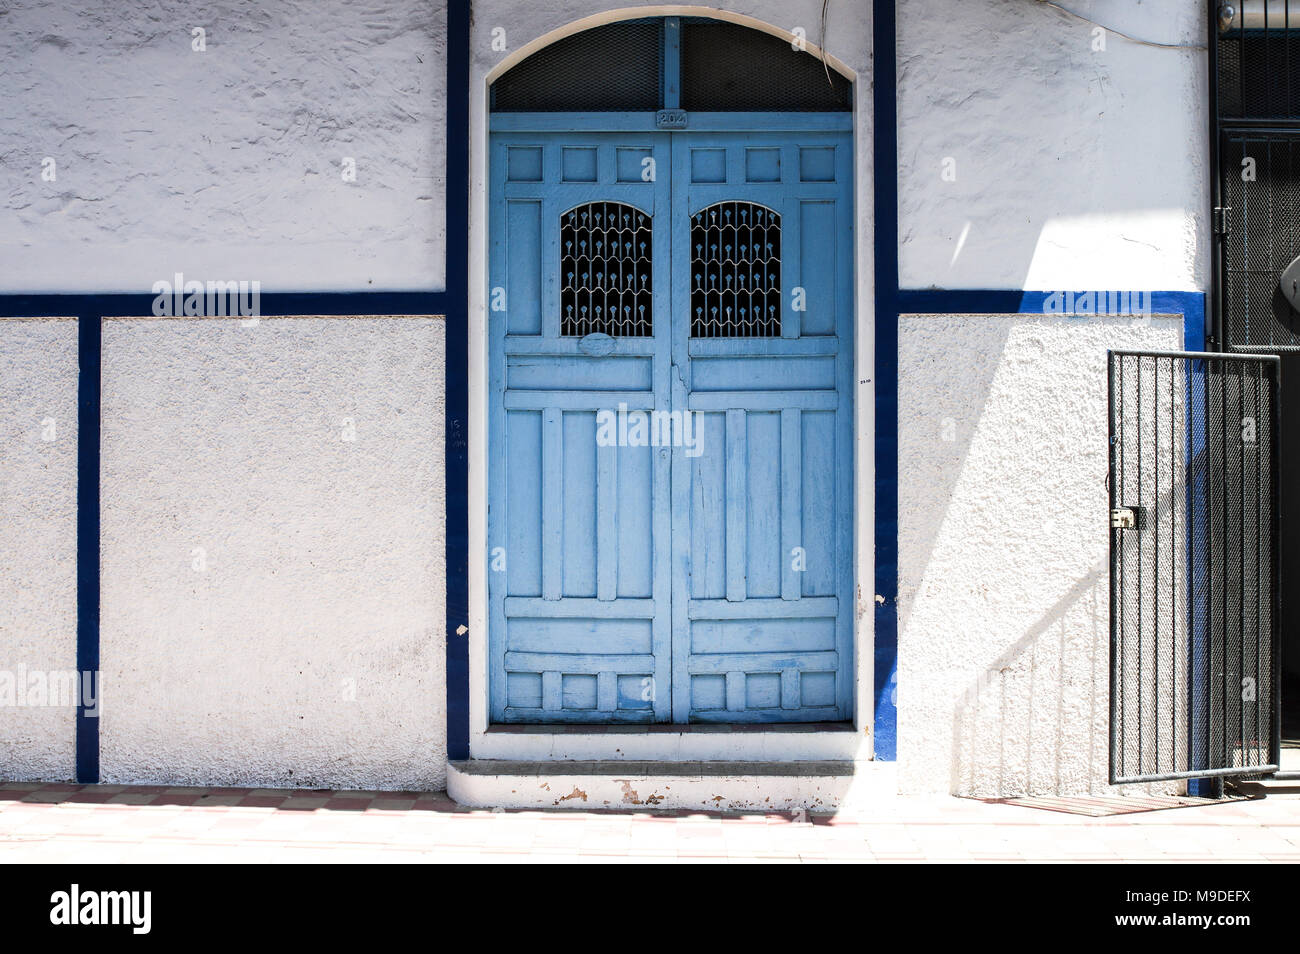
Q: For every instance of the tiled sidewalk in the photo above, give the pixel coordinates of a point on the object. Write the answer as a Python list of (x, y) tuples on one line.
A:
[(72, 823)]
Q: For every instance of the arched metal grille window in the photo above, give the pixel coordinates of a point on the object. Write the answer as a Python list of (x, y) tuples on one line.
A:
[(726, 66), (630, 65), (608, 68), (735, 271), (605, 271)]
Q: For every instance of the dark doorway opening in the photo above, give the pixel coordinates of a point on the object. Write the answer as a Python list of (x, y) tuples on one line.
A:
[(1255, 137)]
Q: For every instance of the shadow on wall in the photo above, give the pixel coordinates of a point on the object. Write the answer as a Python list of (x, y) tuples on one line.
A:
[(1003, 595), (1016, 727)]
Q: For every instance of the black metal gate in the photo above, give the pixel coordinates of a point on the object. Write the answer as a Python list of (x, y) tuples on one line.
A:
[(1194, 565)]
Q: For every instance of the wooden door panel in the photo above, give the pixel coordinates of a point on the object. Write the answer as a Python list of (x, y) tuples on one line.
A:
[(578, 525), (763, 517)]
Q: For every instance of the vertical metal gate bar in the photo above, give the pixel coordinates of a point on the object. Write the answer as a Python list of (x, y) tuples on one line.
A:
[(1173, 553), (1259, 551), (1275, 560), (1116, 563), (1192, 569), (1207, 636), (1204, 637), (1240, 662), (1155, 546), (1219, 647), (1141, 630), (1213, 567)]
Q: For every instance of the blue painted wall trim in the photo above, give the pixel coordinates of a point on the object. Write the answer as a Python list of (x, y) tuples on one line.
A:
[(271, 304), (935, 301), (457, 378), (885, 157), (87, 723)]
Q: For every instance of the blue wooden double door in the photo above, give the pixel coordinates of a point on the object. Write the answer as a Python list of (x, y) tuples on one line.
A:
[(670, 464)]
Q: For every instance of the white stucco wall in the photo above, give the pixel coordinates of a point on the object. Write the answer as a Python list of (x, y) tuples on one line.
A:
[(38, 545), (224, 164), (1076, 167), (1003, 599), (273, 591)]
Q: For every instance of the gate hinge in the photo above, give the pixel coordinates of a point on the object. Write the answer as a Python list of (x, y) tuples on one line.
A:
[(1219, 219), (1123, 518)]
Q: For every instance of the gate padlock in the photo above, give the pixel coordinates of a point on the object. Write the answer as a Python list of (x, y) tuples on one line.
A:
[(1123, 518)]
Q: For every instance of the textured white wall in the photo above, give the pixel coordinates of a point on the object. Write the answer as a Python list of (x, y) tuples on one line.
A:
[(303, 646), (1076, 168), (1003, 576), (223, 164), (38, 541)]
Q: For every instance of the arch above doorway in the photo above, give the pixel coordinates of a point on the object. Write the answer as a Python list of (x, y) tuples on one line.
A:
[(650, 63)]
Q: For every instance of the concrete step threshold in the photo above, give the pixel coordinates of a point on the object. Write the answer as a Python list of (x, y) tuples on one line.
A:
[(668, 786)]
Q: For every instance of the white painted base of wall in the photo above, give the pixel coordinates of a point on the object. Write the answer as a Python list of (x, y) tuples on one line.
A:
[(694, 743), (669, 786)]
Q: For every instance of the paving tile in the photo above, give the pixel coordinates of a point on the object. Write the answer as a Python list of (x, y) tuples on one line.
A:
[(133, 797), (176, 798), (301, 803), (262, 800), (347, 804), (92, 797)]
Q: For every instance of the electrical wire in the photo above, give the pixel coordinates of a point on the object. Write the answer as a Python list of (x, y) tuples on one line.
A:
[(825, 63), (1119, 33)]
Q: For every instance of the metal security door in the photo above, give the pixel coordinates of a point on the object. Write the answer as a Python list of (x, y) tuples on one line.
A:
[(578, 530), (762, 360), (1194, 555)]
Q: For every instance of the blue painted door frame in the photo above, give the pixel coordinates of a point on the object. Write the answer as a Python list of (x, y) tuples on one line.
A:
[(710, 579)]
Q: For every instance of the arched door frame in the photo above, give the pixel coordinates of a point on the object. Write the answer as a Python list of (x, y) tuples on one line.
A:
[(574, 742)]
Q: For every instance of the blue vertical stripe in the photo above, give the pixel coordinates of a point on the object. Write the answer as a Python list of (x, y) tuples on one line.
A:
[(885, 148), (457, 379), (87, 727)]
